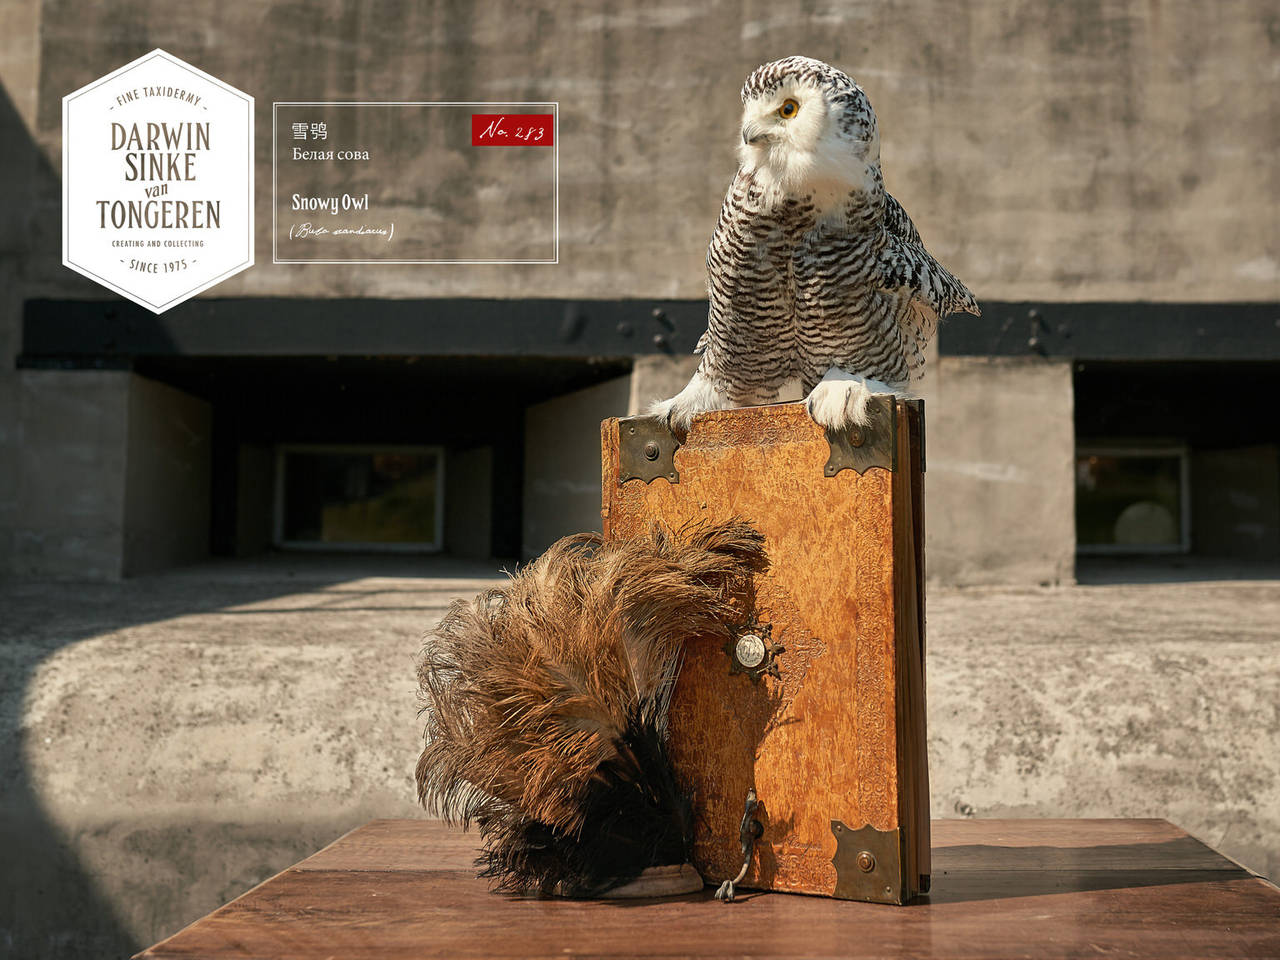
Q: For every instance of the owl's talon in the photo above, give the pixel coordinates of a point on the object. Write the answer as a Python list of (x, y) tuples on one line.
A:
[(839, 405), (699, 396), (840, 401)]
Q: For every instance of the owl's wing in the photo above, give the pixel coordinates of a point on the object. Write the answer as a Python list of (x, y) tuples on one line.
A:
[(905, 262), (896, 221), (908, 269)]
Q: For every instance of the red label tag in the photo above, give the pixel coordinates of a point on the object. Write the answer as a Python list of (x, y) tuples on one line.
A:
[(512, 129)]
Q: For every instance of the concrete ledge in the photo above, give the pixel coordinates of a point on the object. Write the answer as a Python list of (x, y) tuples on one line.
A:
[(168, 742), (1124, 700)]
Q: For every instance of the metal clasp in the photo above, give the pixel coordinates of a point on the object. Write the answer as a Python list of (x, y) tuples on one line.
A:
[(749, 832)]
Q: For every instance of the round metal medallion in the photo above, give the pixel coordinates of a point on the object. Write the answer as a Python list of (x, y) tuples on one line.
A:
[(750, 651)]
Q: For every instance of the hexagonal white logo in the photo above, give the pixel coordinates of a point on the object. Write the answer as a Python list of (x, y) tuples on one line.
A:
[(157, 181)]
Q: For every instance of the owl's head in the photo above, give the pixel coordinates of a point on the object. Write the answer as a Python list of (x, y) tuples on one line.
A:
[(805, 124)]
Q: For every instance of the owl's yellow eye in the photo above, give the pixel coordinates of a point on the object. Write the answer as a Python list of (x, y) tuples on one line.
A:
[(788, 109)]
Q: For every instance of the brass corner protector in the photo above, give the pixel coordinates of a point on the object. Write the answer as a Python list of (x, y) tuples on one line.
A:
[(868, 864), (646, 450), (873, 445)]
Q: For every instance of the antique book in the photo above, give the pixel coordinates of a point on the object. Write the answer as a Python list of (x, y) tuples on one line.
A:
[(819, 704)]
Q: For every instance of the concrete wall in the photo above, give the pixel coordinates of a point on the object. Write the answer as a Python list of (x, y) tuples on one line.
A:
[(25, 239), (562, 462), (468, 503), (1103, 150), (1065, 152), (1000, 472), (657, 378), (167, 480), (113, 478), (70, 516)]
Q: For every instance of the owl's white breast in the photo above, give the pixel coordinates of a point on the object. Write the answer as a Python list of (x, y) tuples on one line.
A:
[(825, 175)]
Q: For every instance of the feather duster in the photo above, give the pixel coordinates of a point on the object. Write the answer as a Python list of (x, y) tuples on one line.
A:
[(546, 704)]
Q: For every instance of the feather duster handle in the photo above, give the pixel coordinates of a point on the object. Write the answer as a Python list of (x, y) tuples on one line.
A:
[(546, 703)]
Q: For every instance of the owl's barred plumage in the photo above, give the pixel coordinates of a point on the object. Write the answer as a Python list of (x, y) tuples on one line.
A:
[(814, 272)]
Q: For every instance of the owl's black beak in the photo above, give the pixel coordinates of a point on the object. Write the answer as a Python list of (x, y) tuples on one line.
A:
[(753, 133)]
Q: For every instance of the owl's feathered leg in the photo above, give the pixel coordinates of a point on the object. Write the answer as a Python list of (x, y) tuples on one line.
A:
[(702, 394), (839, 401)]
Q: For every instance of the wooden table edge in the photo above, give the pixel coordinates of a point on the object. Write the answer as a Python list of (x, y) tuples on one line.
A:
[(1229, 866)]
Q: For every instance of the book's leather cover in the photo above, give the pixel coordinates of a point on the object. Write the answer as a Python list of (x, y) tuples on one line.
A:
[(820, 707)]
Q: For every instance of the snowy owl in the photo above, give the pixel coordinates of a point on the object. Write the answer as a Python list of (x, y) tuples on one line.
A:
[(814, 273)]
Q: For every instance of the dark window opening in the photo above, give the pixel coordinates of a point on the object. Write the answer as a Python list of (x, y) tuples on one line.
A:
[(1178, 457), (352, 497)]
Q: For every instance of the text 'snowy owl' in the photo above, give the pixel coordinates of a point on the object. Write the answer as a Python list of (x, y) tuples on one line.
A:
[(815, 274)]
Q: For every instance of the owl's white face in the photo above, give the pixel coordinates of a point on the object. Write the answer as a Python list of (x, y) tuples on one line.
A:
[(794, 142)]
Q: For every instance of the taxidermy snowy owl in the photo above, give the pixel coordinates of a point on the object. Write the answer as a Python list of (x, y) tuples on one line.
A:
[(814, 272)]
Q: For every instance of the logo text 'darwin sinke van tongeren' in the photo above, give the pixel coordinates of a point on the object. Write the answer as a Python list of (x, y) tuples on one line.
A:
[(157, 181)]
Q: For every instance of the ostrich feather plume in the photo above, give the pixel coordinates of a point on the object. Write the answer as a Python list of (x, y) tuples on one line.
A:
[(546, 704)]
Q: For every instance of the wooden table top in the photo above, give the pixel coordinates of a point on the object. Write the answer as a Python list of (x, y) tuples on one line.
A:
[(1001, 888)]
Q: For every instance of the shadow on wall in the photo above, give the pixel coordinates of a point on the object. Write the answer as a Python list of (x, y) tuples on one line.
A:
[(39, 877), (157, 873), (53, 908), (51, 903), (31, 215)]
